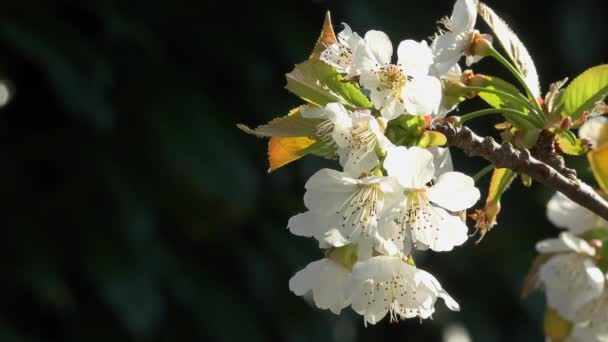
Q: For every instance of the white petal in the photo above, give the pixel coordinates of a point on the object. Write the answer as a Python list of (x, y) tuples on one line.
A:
[(454, 191), (413, 167), (327, 190), (565, 213), (447, 49), (380, 45), (355, 162), (442, 160), (593, 129), (464, 15), (392, 108), (446, 232), (415, 58), (378, 97), (422, 95), (571, 281), (305, 224), (330, 292), (305, 279), (326, 280)]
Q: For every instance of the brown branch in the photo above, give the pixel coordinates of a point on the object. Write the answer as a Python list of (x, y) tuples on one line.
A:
[(544, 150), (506, 156)]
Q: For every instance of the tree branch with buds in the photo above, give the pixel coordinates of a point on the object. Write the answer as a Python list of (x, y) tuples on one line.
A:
[(521, 161)]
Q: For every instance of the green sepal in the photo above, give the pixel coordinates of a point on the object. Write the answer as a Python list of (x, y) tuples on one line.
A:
[(406, 130), (318, 83), (346, 255)]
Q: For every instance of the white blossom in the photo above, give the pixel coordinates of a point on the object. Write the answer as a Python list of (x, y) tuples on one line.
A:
[(344, 210), (596, 130), (565, 213), (387, 284), (340, 54), (423, 211), (449, 46), (591, 322), (326, 279), (570, 278), (402, 87), (356, 135)]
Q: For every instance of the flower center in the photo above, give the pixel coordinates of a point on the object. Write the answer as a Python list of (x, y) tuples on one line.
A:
[(394, 295), (360, 211), (420, 217), (391, 77)]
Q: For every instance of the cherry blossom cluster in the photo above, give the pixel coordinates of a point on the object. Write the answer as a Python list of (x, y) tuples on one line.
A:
[(571, 272), (387, 201), (382, 114)]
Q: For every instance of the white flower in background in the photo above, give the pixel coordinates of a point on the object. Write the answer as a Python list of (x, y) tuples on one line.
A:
[(564, 213), (356, 135), (395, 88), (340, 54), (458, 39), (326, 279), (596, 130), (570, 278), (345, 210), (387, 284), (424, 209), (591, 322)]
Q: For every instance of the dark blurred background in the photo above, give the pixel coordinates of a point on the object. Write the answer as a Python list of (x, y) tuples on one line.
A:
[(134, 210)]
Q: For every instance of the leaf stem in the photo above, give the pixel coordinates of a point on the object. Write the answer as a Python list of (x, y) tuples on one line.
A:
[(533, 119), (483, 172), (502, 60), (490, 111)]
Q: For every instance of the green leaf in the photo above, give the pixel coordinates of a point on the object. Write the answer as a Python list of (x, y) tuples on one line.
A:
[(319, 84), (406, 130), (585, 91), (291, 125), (569, 144), (495, 100), (514, 48)]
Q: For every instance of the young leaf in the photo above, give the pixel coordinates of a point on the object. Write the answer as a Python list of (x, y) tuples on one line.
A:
[(514, 48), (585, 92), (327, 38), (431, 139), (495, 83), (284, 150), (319, 84), (599, 165), (569, 144), (292, 125), (553, 96)]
